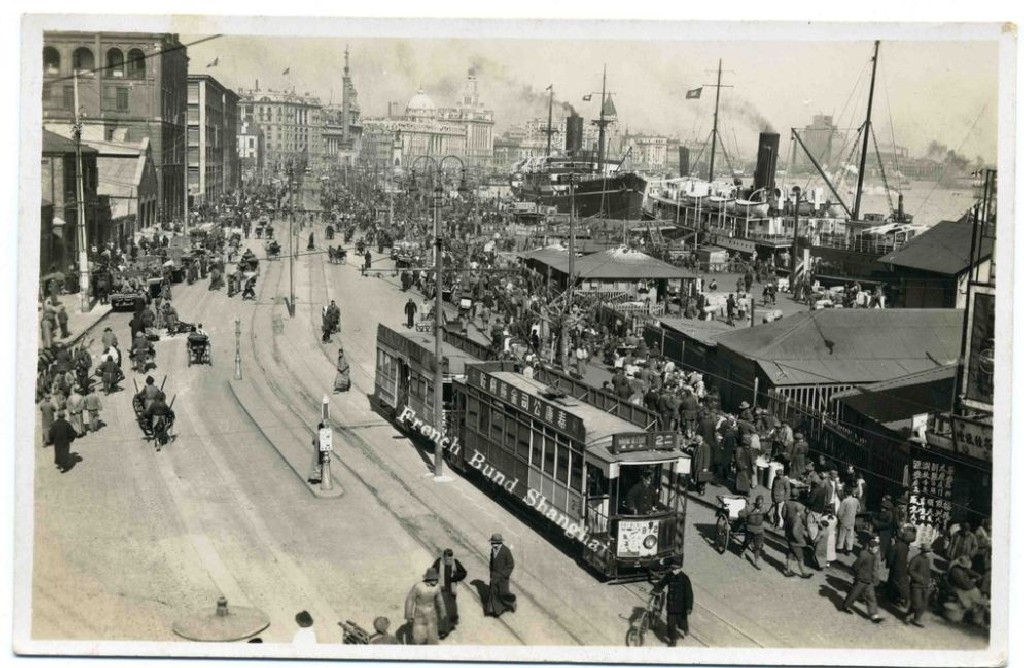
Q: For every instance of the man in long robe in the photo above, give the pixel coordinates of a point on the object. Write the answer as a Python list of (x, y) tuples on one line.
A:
[(451, 572), (500, 598)]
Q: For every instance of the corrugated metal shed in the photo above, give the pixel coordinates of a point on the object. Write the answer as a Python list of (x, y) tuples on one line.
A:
[(943, 249), (849, 345)]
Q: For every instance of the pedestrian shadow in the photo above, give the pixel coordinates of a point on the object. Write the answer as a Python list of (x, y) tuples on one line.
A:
[(483, 592), (73, 459), (830, 589), (709, 532)]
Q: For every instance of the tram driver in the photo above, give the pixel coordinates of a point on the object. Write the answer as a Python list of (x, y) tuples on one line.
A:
[(641, 498)]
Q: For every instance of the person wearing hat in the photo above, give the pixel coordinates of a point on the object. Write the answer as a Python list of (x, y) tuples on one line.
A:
[(701, 464), (499, 597), (865, 578), (743, 459), (754, 517), (920, 571), (794, 518), (305, 635), (61, 435), (382, 637), (451, 572), (678, 602), (885, 521), (423, 605)]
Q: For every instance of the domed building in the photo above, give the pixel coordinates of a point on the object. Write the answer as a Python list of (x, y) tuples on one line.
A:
[(465, 130)]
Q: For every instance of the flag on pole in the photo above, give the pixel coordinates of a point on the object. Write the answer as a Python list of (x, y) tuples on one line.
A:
[(693, 94), (549, 87), (214, 63), (586, 98), (286, 72)]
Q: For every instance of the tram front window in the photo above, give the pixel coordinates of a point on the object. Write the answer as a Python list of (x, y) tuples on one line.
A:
[(642, 485)]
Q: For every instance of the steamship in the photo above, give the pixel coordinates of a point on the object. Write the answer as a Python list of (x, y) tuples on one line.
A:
[(762, 220), (591, 186)]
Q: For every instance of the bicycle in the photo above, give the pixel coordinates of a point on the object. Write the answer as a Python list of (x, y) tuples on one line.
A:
[(641, 623)]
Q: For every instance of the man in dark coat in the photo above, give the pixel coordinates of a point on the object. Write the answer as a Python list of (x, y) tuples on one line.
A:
[(701, 464), (678, 603), (884, 520), (61, 435), (452, 572), (755, 519), (864, 580), (920, 572), (797, 456), (410, 312), (743, 458), (794, 517), (500, 598), (899, 571)]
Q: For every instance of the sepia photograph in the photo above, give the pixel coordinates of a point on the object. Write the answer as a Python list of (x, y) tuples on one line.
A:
[(629, 342)]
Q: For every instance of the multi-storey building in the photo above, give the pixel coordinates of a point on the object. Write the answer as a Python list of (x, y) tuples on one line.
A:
[(212, 139), (292, 126), (59, 231), (648, 153), (822, 139), (131, 85), (465, 130), (250, 152)]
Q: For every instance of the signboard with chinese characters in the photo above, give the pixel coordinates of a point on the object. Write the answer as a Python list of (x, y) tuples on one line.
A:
[(972, 437), (547, 412), (642, 441), (931, 493), (979, 373)]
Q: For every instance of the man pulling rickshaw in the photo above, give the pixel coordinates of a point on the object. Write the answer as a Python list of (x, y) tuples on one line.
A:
[(198, 346)]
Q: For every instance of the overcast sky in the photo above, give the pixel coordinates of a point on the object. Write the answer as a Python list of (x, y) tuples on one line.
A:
[(927, 92)]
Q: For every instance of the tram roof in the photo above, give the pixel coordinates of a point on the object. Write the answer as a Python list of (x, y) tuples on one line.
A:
[(600, 426), (457, 358)]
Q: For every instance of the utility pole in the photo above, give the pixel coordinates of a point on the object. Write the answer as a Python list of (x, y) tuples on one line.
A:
[(438, 330), (291, 266), (184, 171), (83, 239), (238, 348), (551, 102)]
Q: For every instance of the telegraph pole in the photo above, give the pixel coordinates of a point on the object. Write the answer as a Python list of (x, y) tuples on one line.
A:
[(438, 330), (83, 239)]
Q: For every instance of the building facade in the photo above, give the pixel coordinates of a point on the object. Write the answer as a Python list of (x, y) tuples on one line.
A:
[(130, 86), (822, 139), (212, 139), (58, 230), (292, 127), (250, 152), (465, 130)]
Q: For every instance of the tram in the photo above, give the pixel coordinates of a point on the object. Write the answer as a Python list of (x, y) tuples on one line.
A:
[(404, 382), (580, 459), (615, 488)]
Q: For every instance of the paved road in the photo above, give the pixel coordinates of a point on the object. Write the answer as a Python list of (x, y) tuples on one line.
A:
[(132, 539)]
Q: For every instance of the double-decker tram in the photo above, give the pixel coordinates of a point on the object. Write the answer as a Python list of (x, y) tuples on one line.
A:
[(614, 488)]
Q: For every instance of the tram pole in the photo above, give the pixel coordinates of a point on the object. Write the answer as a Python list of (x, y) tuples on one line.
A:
[(438, 334), (326, 445), (238, 348)]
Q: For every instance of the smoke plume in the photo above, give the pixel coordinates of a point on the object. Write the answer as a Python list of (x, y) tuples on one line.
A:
[(745, 111)]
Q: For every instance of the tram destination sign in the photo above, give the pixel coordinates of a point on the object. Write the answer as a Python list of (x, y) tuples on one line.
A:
[(641, 441), (544, 411)]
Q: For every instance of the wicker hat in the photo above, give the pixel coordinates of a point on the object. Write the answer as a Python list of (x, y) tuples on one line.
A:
[(496, 538), (304, 619)]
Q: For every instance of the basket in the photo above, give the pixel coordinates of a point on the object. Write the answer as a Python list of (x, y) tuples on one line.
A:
[(953, 612)]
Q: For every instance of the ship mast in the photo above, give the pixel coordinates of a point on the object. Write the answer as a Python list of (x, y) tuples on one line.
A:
[(601, 123), (867, 131), (714, 130), (551, 102)]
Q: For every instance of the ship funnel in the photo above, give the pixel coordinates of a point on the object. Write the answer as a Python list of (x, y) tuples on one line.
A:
[(767, 158), (574, 135), (684, 161)]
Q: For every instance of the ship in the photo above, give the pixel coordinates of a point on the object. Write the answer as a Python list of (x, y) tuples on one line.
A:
[(581, 183), (815, 227)]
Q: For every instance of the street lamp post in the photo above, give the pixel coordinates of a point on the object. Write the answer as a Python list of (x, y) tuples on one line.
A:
[(238, 348), (83, 241)]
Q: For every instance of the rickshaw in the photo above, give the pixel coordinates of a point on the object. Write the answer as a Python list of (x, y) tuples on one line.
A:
[(198, 349), (159, 429), (728, 521), (273, 250)]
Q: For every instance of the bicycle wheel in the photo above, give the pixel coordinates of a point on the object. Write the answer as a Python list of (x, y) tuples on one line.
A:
[(634, 638)]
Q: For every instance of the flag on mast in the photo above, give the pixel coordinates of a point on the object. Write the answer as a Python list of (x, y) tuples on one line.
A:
[(586, 98), (214, 62), (549, 87), (287, 71), (693, 94)]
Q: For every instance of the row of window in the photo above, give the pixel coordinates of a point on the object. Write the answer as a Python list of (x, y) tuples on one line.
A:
[(539, 446), (113, 98), (83, 62)]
